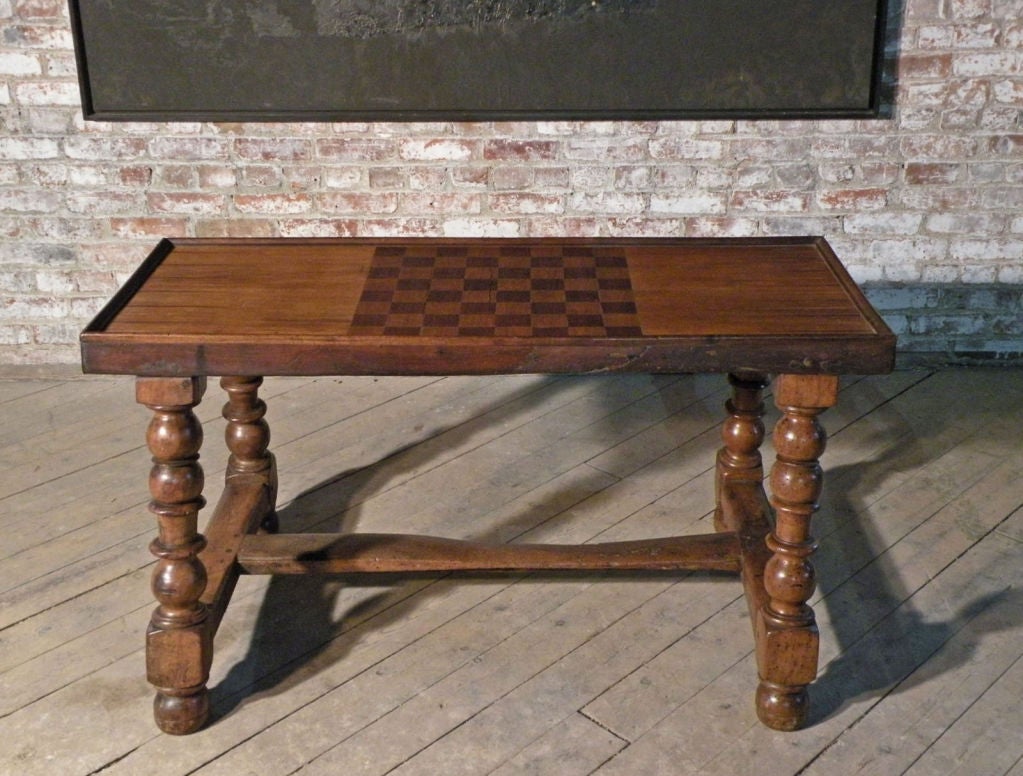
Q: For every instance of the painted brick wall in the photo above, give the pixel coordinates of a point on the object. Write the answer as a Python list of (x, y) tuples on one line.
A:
[(925, 205)]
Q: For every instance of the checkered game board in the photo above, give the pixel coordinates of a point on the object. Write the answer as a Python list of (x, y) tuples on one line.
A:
[(505, 291)]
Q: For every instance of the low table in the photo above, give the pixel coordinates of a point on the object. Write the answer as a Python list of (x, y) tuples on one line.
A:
[(242, 309)]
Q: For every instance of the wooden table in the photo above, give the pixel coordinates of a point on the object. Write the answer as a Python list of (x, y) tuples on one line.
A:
[(242, 308)]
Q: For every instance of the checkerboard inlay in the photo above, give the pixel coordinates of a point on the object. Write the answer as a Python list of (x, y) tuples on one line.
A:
[(509, 291)]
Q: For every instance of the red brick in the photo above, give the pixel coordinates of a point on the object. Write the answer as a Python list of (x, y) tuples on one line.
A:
[(526, 203), (470, 177), (41, 36), (357, 203), (356, 149), (520, 150), (135, 175), (193, 203), (175, 176), (273, 149), (920, 173), (853, 200), (685, 148), (1005, 145), (925, 66), (236, 227), (629, 226), (134, 228), (38, 9)]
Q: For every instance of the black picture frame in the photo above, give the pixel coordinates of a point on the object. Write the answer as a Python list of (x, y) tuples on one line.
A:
[(477, 60)]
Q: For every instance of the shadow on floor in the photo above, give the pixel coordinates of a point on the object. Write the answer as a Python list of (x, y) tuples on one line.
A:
[(302, 626), (885, 643)]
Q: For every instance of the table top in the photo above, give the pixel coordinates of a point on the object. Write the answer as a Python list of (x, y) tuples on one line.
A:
[(488, 306)]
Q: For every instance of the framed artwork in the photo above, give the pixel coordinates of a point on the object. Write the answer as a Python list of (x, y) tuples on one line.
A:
[(428, 60)]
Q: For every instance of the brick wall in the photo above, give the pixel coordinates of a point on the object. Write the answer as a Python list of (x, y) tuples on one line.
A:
[(925, 206)]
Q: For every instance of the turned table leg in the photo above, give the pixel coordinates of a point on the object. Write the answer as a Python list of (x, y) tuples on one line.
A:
[(787, 639), (179, 643), (248, 438), (742, 434)]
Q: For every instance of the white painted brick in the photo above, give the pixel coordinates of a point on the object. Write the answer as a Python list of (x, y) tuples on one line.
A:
[(436, 149), (980, 274), (932, 195), (987, 250), (18, 64), (481, 227), (1011, 274), (688, 202), (25, 148), (47, 93), (884, 223), (609, 202)]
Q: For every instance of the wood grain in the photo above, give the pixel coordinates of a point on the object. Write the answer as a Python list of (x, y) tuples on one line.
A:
[(288, 307)]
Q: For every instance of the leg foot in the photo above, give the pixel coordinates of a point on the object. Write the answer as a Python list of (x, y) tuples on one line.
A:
[(180, 714), (782, 707)]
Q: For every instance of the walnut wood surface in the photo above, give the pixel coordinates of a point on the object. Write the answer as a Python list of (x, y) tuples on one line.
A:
[(402, 553), (179, 641), (288, 307)]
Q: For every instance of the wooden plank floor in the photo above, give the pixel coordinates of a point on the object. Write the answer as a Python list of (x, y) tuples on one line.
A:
[(919, 598)]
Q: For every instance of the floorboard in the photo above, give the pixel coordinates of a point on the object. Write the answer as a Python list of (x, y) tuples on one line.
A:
[(918, 600)]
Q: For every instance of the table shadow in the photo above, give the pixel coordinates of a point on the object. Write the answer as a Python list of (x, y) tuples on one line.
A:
[(299, 630), (885, 643)]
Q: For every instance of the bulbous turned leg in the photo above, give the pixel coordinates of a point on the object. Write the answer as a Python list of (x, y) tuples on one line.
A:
[(787, 638), (179, 643), (248, 438), (742, 435)]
